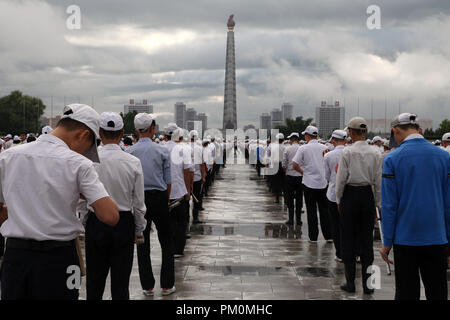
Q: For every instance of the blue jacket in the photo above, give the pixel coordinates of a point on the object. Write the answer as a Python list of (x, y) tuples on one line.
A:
[(415, 195)]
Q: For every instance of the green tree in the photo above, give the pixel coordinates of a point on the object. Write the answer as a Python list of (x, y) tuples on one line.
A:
[(20, 112), (298, 125), (444, 127), (128, 122)]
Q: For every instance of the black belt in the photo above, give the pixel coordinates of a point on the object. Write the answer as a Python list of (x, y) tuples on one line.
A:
[(154, 191), (34, 245), (358, 187)]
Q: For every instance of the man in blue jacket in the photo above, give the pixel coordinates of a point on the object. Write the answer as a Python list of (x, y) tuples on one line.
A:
[(415, 212)]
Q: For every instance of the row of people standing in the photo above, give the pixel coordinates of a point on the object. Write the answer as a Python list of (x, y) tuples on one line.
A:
[(345, 185)]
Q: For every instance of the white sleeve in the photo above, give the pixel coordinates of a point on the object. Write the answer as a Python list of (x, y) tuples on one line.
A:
[(90, 185), (139, 208)]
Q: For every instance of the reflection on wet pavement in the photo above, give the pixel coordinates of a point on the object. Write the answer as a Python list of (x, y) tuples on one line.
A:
[(244, 251)]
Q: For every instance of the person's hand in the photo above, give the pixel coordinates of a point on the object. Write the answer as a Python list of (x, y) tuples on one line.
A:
[(139, 239), (187, 197), (384, 252), (3, 214)]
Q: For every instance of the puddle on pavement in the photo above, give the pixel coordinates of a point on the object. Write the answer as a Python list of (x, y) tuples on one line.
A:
[(280, 230)]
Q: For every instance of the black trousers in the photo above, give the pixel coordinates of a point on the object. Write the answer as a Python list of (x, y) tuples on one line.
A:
[(178, 216), (2, 245), (259, 165), (428, 261), (109, 248), (335, 226), (40, 275), (158, 212), (294, 192), (317, 198), (278, 181), (357, 221), (197, 193), (208, 182)]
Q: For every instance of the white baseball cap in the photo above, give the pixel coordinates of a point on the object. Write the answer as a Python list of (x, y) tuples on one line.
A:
[(16, 138), (376, 139), (357, 123), (311, 130), (339, 134), (9, 136), (143, 121), (193, 134), (47, 130), (279, 136), (170, 128), (446, 137), (89, 117), (294, 134), (111, 121), (404, 118)]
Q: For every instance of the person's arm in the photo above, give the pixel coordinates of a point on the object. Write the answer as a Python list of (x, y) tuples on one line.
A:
[(297, 160), (447, 204), (390, 202), (187, 182), (139, 208), (341, 176), (327, 168), (106, 211), (3, 213), (377, 182), (166, 171)]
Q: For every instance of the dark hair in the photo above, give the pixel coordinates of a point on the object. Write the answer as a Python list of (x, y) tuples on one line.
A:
[(405, 127), (71, 125), (111, 135), (128, 141), (359, 132), (31, 139)]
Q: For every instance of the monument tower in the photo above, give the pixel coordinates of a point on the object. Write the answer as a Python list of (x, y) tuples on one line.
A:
[(229, 105)]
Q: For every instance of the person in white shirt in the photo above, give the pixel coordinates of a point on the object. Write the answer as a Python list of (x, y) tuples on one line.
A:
[(331, 159), (358, 191), (111, 248), (199, 175), (293, 188), (180, 169), (377, 143), (8, 141), (41, 231), (276, 172), (446, 141), (208, 160), (309, 162)]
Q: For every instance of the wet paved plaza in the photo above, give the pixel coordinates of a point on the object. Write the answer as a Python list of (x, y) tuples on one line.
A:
[(245, 251)]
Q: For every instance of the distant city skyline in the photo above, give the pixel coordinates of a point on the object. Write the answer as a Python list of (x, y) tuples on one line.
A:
[(295, 51)]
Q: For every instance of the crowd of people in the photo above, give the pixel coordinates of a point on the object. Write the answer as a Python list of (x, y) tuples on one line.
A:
[(353, 181), (86, 177), (91, 180)]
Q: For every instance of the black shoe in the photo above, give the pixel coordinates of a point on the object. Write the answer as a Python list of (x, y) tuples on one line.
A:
[(368, 291), (289, 223), (197, 221), (201, 209), (348, 287)]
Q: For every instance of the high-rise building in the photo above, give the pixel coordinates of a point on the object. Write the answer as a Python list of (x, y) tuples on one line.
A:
[(180, 114), (265, 121), (191, 114), (277, 118), (287, 110), (138, 107), (229, 105), (204, 119), (329, 118)]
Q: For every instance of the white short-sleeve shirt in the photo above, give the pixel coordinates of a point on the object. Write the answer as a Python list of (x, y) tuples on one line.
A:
[(310, 158), (41, 183)]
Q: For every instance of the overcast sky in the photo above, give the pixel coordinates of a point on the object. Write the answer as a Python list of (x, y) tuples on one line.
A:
[(286, 51)]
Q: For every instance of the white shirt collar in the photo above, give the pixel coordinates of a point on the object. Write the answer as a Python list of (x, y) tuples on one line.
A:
[(52, 139), (112, 146), (413, 136)]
